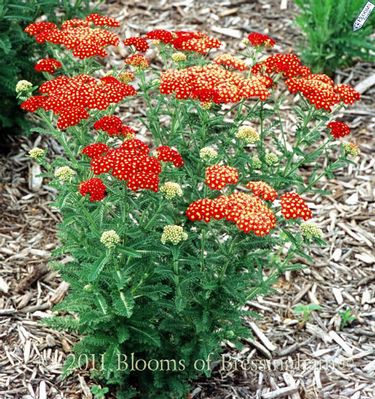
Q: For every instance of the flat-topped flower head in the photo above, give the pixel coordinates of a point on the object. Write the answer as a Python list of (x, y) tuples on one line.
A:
[(351, 149), (249, 213), (110, 238), (72, 97), (229, 61), (113, 126), (78, 36), (197, 42), (49, 65), (248, 134), (171, 190), (294, 206), (219, 176), (338, 129), (95, 150), (208, 154), (139, 43), (311, 231), (173, 234), (256, 162), (211, 83), (94, 187), (262, 190), (64, 173), (37, 153), (257, 39)]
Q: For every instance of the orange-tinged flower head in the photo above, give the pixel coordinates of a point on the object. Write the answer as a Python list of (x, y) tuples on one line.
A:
[(262, 190), (249, 213), (138, 61), (229, 61)]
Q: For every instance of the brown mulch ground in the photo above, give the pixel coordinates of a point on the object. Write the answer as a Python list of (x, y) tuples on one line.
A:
[(317, 360)]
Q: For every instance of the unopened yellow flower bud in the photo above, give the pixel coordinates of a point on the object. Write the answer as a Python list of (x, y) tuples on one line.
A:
[(248, 134), (36, 153), (174, 234), (64, 173), (208, 153), (311, 231), (171, 190), (110, 238), (179, 57)]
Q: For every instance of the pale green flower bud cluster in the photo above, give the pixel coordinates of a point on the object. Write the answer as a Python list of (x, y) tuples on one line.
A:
[(171, 190), (248, 134), (257, 163), (64, 173), (311, 231), (23, 85), (36, 153), (174, 234), (208, 153), (178, 57), (271, 159), (110, 238)]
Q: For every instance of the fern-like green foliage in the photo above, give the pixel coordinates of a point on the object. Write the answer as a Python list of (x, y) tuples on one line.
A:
[(18, 52), (330, 42)]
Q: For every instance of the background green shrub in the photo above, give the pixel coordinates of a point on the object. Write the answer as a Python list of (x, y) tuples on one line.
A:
[(18, 51), (330, 42)]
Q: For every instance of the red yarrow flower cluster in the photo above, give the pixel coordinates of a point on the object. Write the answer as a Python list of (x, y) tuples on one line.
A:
[(262, 190), (289, 65), (71, 98), (137, 61), (338, 129), (49, 65), (211, 82), (258, 39), (168, 154), (219, 176), (77, 35), (139, 43), (95, 150), (249, 213), (95, 187), (294, 206), (130, 162), (229, 61), (185, 41), (320, 90), (113, 126)]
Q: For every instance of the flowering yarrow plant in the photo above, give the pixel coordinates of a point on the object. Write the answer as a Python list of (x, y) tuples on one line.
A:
[(168, 240)]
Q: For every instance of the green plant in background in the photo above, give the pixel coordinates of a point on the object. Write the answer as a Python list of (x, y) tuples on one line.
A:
[(99, 392), (18, 52), (305, 310), (330, 42), (347, 318)]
